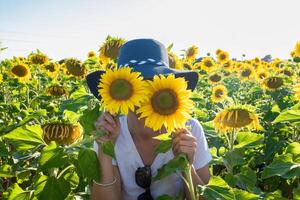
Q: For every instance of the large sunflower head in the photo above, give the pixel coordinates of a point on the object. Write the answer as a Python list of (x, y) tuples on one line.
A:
[(219, 93), (174, 61), (38, 58), (21, 72), (191, 53), (75, 67), (168, 104), (208, 64), (236, 117), (110, 49), (223, 57), (273, 83), (297, 91), (121, 90), (214, 78), (63, 134)]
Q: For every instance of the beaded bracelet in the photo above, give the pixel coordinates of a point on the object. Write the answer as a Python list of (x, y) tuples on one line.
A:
[(106, 184)]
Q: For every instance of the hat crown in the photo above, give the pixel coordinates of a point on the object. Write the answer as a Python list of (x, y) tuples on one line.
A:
[(140, 52)]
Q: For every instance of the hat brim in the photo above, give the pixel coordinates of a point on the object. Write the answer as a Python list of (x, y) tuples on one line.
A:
[(148, 73)]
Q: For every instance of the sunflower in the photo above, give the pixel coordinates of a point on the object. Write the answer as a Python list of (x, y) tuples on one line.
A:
[(110, 49), (56, 90), (168, 104), (208, 64), (218, 51), (223, 57), (91, 54), (1, 78), (273, 83), (121, 90), (52, 69), (214, 78), (276, 64), (21, 72), (38, 58), (236, 117), (174, 61), (287, 71), (261, 74), (247, 72), (187, 65), (75, 67), (297, 50), (297, 91), (228, 66), (219, 93), (63, 134), (191, 53)]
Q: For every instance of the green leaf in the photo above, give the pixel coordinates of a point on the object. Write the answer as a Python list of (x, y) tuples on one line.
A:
[(164, 197), (296, 59), (288, 115), (217, 188), (57, 189), (246, 179), (163, 137), (71, 116), (89, 164), (163, 146), (109, 149), (75, 104), (52, 156), (72, 178), (38, 184), (178, 164), (79, 92), (6, 171), (293, 148), (297, 193), (25, 137), (16, 193), (249, 140), (234, 158), (88, 119), (281, 166), (242, 194)]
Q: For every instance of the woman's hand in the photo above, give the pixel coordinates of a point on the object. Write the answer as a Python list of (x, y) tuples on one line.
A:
[(110, 125), (184, 142)]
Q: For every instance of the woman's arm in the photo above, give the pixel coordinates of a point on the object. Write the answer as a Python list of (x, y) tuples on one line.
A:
[(109, 174), (110, 184)]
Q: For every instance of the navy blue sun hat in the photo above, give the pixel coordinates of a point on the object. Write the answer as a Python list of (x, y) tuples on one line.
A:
[(147, 56)]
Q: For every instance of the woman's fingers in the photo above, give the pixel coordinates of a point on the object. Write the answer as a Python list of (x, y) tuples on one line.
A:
[(109, 118)]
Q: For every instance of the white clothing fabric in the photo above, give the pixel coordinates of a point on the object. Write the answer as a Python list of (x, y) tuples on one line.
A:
[(128, 160)]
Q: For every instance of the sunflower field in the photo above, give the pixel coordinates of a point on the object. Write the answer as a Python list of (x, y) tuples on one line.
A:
[(249, 109)]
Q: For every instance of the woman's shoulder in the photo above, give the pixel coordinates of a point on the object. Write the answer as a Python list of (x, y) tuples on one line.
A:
[(196, 127)]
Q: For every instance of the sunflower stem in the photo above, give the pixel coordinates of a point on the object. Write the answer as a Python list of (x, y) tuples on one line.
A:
[(188, 175)]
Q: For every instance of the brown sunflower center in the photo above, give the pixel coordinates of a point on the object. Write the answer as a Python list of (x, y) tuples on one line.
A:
[(20, 70), (165, 102), (219, 93), (50, 67), (246, 72), (215, 78), (274, 82), (208, 63), (222, 56), (237, 118), (287, 72), (121, 89)]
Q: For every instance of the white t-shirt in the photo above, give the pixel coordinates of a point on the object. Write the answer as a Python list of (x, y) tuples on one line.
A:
[(128, 160)]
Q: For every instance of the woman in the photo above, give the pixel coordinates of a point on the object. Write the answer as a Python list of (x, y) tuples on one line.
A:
[(129, 176)]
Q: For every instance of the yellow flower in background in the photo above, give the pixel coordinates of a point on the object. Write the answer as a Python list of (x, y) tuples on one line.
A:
[(218, 51), (208, 64), (21, 72), (273, 83), (38, 58), (223, 57), (187, 65), (52, 69), (247, 72), (168, 104), (297, 50), (236, 117), (191, 53), (1, 78), (110, 49), (228, 66), (214, 78), (261, 74), (91, 54), (56, 90), (297, 91), (75, 67), (219, 93), (121, 90), (174, 61)]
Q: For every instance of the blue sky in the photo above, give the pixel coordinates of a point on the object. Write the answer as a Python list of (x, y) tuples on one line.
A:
[(70, 28)]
